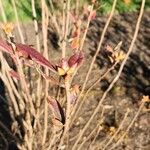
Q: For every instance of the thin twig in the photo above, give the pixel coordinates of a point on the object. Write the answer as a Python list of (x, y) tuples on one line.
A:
[(115, 79), (39, 84), (17, 19), (83, 39), (44, 30), (13, 99), (53, 17), (67, 120), (8, 132), (118, 130), (130, 125), (3, 12), (66, 29), (4, 139), (35, 25), (6, 69), (79, 106), (95, 130), (96, 53), (77, 7)]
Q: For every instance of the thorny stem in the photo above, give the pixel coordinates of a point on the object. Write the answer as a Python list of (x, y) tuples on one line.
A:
[(116, 78)]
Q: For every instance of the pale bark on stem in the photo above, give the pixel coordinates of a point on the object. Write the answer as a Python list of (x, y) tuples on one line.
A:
[(68, 109), (7, 84), (129, 127), (83, 41), (79, 106), (3, 12), (77, 7), (4, 140), (118, 130), (39, 84), (86, 30), (99, 46), (53, 17), (24, 87), (18, 24), (13, 100), (25, 91), (4, 127), (53, 139), (11, 81), (66, 30), (96, 135), (28, 99), (44, 31), (51, 5), (35, 25), (19, 100), (96, 53), (63, 24), (88, 137), (115, 79)]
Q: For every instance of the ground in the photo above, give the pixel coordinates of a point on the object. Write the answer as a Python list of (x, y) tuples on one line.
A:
[(128, 91)]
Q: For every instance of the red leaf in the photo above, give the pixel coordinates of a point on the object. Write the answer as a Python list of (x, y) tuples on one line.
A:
[(56, 109), (26, 50)]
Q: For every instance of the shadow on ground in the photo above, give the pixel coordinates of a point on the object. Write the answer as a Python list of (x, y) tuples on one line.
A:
[(136, 74)]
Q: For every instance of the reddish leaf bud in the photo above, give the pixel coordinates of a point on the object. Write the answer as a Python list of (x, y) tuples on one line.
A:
[(77, 58)]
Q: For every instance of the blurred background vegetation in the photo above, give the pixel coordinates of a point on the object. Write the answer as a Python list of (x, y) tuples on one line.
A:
[(24, 8)]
